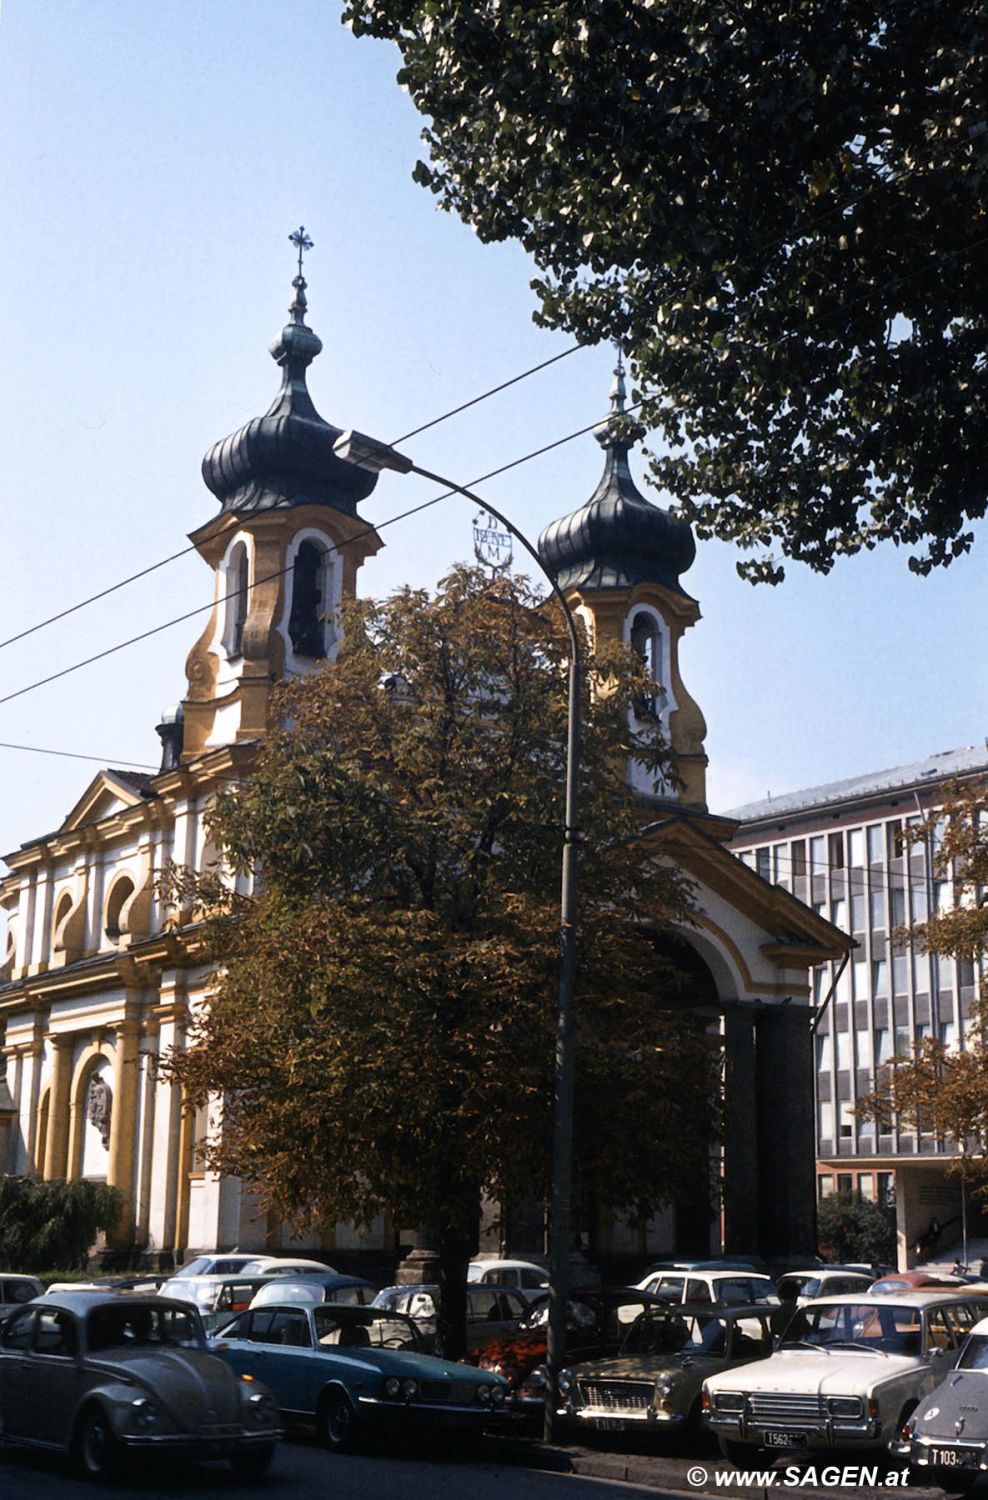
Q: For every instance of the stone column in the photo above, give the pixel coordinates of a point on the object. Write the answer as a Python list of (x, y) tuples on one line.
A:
[(786, 1134), (123, 1125), (741, 1234), (166, 1180), (57, 1143)]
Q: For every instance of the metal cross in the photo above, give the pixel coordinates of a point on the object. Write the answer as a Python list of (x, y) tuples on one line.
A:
[(301, 241)]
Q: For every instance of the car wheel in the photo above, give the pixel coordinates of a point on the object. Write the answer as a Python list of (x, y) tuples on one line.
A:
[(337, 1421), (253, 1462), (738, 1454), (97, 1452)]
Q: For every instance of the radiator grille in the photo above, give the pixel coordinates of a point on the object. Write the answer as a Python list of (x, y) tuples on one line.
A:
[(785, 1406), (449, 1392), (617, 1395)]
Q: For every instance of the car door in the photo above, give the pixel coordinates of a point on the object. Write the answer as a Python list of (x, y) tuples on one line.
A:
[(288, 1363), (52, 1382), (15, 1357)]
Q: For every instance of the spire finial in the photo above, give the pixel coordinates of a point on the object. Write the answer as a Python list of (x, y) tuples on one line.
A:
[(302, 242), (618, 389)]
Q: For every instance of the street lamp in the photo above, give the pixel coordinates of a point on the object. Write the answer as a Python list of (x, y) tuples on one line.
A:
[(369, 453)]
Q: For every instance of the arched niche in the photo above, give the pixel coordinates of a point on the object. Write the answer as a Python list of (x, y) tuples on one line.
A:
[(117, 898), (69, 925), (127, 908), (236, 581)]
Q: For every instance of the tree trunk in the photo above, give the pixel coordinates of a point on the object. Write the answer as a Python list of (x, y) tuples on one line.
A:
[(456, 1239)]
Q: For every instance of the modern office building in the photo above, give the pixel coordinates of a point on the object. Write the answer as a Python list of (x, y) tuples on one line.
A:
[(844, 849)]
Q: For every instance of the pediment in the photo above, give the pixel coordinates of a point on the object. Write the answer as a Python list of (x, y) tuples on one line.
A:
[(108, 793)]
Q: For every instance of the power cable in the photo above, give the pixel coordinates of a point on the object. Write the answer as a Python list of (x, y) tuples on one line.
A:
[(102, 760), (494, 390)]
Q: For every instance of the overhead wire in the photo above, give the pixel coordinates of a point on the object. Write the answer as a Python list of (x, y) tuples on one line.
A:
[(693, 283)]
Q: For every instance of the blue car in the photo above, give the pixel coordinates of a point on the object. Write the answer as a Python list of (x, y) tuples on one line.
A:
[(356, 1372)]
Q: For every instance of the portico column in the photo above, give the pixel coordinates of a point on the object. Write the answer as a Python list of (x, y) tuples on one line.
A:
[(740, 1135), (57, 1141), (786, 1136), (123, 1125)]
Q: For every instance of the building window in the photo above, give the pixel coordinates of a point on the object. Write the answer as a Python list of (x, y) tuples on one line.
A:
[(237, 581), (798, 858), (886, 1189), (855, 847), (866, 1186), (845, 1182), (305, 624), (880, 979), (900, 974), (878, 908), (762, 865), (883, 1045), (838, 914), (895, 841), (837, 851), (818, 855), (646, 641), (876, 844), (825, 1184), (898, 899)]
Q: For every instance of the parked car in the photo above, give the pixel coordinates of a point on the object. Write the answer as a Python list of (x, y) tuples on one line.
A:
[(15, 1291), (351, 1289), (801, 1287), (908, 1281), (596, 1324), (98, 1375), (655, 1379), (203, 1280), (724, 1287), (492, 1311), (946, 1439), (354, 1371), (848, 1373), (524, 1275)]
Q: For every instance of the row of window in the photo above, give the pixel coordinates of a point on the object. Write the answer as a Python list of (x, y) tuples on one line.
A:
[(307, 624)]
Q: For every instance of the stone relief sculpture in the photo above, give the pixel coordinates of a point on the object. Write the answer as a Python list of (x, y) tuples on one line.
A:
[(99, 1108)]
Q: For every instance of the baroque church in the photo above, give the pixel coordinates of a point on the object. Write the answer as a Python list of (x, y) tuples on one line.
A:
[(100, 978)]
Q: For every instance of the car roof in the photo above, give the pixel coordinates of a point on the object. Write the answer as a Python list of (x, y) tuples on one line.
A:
[(923, 1296), (86, 1298)]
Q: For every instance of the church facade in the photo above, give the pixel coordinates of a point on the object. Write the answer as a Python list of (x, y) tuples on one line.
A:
[(102, 977)]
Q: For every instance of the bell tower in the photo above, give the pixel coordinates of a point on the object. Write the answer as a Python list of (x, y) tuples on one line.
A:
[(618, 560), (284, 549)]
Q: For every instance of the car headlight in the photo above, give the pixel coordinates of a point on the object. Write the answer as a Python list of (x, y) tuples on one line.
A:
[(728, 1401), (539, 1377), (484, 1394), (566, 1380), (845, 1406), (409, 1388), (261, 1410), (144, 1415), (498, 1396), (663, 1386), (392, 1386)]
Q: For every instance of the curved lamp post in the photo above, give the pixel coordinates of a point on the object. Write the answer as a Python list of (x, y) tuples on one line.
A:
[(369, 453)]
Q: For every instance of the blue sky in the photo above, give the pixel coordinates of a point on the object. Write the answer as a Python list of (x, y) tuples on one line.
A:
[(153, 159)]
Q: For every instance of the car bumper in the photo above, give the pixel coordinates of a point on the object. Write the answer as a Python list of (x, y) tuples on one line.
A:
[(199, 1444), (866, 1433), (607, 1419), (429, 1413), (942, 1454)]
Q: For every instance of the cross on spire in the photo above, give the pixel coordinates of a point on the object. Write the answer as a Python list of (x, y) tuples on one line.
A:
[(302, 242)]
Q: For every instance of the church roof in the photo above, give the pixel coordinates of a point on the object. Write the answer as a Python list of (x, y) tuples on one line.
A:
[(618, 538), (286, 457)]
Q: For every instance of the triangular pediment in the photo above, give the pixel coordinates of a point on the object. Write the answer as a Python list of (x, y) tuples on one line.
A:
[(109, 792), (787, 923)]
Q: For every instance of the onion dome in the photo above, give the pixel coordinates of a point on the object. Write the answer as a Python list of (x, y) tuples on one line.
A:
[(286, 457), (618, 538)]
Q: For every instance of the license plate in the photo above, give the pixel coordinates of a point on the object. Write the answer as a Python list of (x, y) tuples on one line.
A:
[(608, 1424), (785, 1439), (955, 1458)]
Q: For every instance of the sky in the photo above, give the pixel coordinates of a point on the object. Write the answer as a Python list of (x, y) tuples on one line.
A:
[(153, 160)]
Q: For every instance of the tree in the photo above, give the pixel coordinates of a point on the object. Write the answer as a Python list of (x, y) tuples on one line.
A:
[(852, 1230), (382, 1024), (937, 1088), (779, 214), (52, 1225)]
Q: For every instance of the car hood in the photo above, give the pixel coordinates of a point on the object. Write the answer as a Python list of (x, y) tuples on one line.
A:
[(410, 1365), (803, 1371), (195, 1387), (961, 1402), (648, 1367)]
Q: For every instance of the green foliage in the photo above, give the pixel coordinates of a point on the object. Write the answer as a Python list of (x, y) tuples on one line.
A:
[(777, 211), (382, 1028), (53, 1223), (850, 1229)]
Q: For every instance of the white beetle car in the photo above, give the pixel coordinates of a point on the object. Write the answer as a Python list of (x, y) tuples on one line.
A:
[(848, 1373)]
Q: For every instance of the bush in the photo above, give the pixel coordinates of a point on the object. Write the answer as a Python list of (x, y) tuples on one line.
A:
[(852, 1229), (54, 1223)]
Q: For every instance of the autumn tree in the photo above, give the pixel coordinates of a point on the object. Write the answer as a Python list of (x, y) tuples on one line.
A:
[(382, 1024), (779, 213), (939, 1089)]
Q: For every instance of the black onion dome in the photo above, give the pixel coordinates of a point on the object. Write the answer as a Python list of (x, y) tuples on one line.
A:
[(286, 457), (618, 538)]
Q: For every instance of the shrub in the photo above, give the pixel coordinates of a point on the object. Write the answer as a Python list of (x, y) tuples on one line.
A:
[(52, 1223), (852, 1229)]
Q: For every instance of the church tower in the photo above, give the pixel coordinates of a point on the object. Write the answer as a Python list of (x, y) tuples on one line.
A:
[(284, 550), (618, 559)]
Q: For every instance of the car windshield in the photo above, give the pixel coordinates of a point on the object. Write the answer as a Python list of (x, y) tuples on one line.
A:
[(365, 1327), (892, 1328), (128, 1325), (658, 1332), (198, 1267), (974, 1355)]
